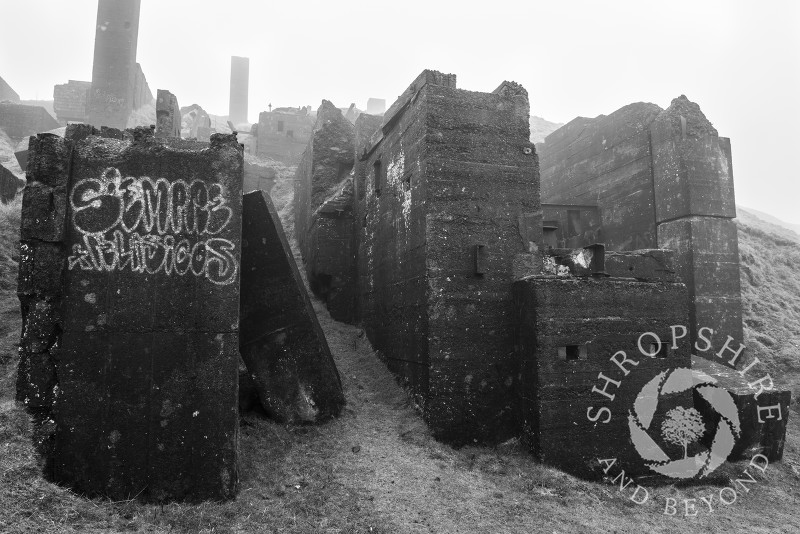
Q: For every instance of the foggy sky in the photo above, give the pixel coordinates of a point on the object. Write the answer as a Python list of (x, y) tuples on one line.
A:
[(740, 61)]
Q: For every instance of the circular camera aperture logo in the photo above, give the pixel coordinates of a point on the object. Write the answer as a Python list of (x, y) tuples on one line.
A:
[(683, 426), (683, 421)]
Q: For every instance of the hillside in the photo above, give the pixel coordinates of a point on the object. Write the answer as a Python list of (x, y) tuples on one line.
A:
[(769, 266), (376, 469)]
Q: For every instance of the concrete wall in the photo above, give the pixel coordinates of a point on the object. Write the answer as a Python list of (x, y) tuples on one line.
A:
[(324, 211), (133, 313), (601, 316), (69, 101), (283, 134), (606, 162), (571, 225), (443, 190), (659, 178)]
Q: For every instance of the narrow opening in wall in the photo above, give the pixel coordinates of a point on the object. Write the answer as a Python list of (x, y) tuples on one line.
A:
[(572, 352), (290, 134), (280, 126), (660, 349), (376, 170)]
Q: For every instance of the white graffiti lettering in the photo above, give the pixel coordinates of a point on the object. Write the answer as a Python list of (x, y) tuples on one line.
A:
[(152, 226)]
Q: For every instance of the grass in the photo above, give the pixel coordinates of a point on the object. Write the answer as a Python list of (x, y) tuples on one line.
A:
[(376, 469)]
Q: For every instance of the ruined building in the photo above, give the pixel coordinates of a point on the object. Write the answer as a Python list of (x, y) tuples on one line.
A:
[(507, 317), (283, 133), (323, 210), (118, 84), (643, 177)]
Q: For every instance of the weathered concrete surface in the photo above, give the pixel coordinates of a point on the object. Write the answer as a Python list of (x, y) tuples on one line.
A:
[(606, 162), (130, 307), (282, 343), (69, 100), (599, 316), (659, 179), (695, 207), (330, 259), (9, 185), (449, 172), (571, 225), (283, 134), (168, 115), (324, 211), (20, 121), (240, 89)]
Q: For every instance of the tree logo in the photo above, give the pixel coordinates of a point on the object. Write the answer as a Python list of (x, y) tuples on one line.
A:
[(683, 426)]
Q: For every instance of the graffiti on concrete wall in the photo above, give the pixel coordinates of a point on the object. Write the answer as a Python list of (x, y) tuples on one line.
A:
[(152, 225)]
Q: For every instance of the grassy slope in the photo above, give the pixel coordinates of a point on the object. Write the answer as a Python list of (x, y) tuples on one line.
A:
[(376, 468)]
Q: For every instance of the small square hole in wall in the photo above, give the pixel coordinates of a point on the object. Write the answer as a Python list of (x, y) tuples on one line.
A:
[(661, 350), (572, 352)]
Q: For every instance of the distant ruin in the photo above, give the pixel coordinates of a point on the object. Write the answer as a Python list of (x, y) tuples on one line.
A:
[(239, 94), (168, 115), (118, 84), (283, 133)]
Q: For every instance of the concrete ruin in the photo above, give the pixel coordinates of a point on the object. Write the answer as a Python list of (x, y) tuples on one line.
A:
[(7, 94), (69, 101), (240, 87), (283, 134), (168, 115), (19, 121), (129, 286), (569, 323), (197, 122), (436, 242), (323, 212), (282, 344), (422, 242), (643, 177), (118, 83)]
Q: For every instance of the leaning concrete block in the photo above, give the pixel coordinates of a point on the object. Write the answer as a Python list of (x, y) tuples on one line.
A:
[(281, 341)]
